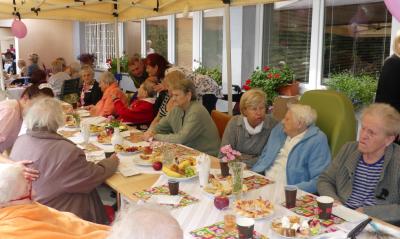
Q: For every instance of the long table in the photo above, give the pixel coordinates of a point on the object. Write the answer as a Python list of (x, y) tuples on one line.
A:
[(203, 213)]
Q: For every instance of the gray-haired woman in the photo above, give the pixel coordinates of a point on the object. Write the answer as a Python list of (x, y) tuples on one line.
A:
[(249, 132), (297, 151), (67, 182)]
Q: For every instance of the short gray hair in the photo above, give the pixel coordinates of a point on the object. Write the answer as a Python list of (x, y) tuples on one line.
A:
[(45, 113), (303, 114), (387, 114), (107, 78), (13, 185), (145, 222)]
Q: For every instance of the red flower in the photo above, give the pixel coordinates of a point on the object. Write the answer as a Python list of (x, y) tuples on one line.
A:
[(246, 87), (266, 68), (248, 81), (277, 76), (269, 75)]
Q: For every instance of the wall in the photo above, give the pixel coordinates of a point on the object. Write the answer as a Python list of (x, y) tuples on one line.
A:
[(6, 38), (132, 38), (48, 38)]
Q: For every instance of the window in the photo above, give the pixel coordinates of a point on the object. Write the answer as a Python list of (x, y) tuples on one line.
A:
[(132, 38), (184, 40), (287, 36), (157, 37), (100, 40), (212, 38), (357, 36)]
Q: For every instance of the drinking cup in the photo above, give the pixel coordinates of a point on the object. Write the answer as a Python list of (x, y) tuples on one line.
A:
[(290, 196)]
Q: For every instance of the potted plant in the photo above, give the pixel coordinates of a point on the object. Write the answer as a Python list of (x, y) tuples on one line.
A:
[(214, 73), (359, 88), (271, 79)]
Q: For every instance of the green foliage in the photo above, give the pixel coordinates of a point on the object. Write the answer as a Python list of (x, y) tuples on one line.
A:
[(123, 61), (214, 73), (270, 79), (359, 88)]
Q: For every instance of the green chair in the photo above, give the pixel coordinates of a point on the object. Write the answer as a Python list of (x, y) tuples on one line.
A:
[(336, 116)]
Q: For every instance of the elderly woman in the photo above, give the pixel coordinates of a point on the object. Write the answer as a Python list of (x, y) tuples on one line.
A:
[(297, 151), (249, 132), (67, 182), (365, 174), (33, 59), (90, 92), (138, 222), (25, 219), (141, 109), (110, 89), (188, 123), (58, 77)]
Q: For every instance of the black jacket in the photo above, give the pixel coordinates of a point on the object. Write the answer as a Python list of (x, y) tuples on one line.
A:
[(94, 95), (389, 82)]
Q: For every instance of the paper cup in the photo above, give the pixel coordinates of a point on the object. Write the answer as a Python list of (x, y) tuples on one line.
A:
[(290, 196), (325, 204), (245, 227)]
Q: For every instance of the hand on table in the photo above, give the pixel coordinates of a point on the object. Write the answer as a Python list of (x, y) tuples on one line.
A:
[(114, 157), (360, 209), (148, 135), (29, 173)]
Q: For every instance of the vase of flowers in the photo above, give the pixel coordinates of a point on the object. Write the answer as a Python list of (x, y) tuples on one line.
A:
[(236, 167), (270, 80)]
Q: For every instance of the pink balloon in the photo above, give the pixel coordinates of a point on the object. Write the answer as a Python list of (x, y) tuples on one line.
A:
[(18, 28), (394, 8)]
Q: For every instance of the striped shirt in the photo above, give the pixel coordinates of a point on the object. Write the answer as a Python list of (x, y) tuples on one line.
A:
[(365, 180)]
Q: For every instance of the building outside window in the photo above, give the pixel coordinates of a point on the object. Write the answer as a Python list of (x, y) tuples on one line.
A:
[(357, 36), (100, 40), (184, 40), (287, 36), (157, 36), (212, 38)]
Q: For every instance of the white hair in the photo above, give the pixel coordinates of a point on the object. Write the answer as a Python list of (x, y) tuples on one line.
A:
[(303, 114), (45, 113), (145, 222), (13, 185), (107, 78)]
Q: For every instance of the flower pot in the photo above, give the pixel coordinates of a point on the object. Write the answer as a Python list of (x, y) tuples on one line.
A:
[(224, 169), (290, 90)]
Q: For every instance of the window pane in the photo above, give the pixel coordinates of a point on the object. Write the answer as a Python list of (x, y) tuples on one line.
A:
[(287, 35), (212, 39), (184, 41), (132, 38), (357, 37), (157, 37)]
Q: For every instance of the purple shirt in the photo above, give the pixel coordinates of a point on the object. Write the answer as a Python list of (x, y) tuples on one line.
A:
[(10, 123)]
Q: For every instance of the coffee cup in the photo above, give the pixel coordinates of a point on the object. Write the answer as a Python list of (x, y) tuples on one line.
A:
[(325, 205), (290, 196), (173, 187), (245, 227)]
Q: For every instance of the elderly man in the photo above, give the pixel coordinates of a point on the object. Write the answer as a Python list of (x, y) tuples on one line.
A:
[(145, 222), (297, 151), (67, 182), (24, 219), (365, 174)]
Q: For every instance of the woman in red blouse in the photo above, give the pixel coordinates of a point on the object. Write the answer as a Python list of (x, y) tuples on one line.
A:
[(141, 110)]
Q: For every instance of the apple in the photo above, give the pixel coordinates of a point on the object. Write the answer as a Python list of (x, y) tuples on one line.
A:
[(221, 202), (157, 165)]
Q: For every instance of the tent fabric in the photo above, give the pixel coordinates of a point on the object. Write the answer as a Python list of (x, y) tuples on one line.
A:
[(106, 10)]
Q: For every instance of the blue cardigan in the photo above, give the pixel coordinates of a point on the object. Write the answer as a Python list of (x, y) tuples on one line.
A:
[(306, 161)]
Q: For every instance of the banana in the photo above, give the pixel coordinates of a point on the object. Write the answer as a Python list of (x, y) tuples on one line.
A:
[(171, 173), (182, 165)]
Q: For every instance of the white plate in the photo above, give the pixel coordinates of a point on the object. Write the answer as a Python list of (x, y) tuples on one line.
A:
[(142, 162), (181, 179), (123, 153)]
